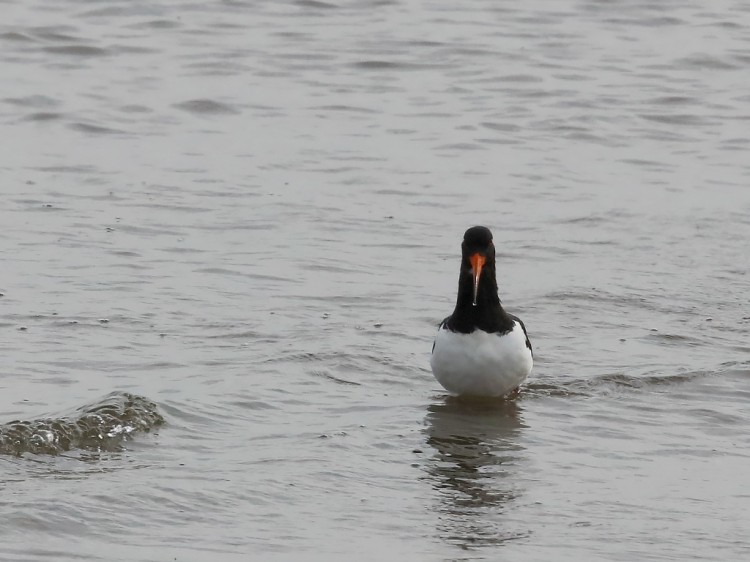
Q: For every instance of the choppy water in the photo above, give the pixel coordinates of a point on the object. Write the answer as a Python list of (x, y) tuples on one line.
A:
[(246, 217)]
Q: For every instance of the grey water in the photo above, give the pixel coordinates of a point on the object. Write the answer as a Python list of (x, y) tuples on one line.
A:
[(229, 230)]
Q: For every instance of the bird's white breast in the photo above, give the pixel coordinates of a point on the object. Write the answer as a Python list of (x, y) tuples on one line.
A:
[(481, 363)]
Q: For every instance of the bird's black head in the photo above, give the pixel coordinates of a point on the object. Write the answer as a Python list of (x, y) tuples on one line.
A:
[(478, 255), (477, 239)]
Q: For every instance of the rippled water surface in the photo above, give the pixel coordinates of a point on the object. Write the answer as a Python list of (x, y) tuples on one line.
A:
[(229, 230)]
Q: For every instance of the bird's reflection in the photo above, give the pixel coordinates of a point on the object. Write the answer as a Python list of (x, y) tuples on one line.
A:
[(476, 453)]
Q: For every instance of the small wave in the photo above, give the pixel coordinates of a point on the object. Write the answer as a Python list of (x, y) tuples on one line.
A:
[(77, 50), (102, 426), (604, 384), (43, 116), (597, 296), (316, 4), (206, 106), (94, 129), (34, 101), (633, 381), (337, 380)]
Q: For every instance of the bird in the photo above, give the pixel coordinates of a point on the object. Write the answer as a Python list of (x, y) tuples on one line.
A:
[(480, 350)]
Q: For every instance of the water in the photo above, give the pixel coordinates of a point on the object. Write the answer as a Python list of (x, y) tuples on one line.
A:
[(250, 214)]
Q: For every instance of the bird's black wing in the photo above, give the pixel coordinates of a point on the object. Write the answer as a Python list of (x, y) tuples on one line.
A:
[(440, 327), (528, 343)]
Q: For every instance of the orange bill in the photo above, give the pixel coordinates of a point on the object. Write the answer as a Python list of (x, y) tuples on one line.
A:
[(477, 263)]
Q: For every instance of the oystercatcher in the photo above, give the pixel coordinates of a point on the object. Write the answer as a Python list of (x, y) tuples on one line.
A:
[(480, 350)]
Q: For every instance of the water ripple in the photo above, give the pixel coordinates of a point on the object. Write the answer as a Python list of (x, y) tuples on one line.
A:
[(102, 426)]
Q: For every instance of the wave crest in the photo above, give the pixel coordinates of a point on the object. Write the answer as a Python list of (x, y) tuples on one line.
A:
[(102, 426)]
